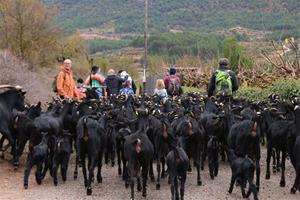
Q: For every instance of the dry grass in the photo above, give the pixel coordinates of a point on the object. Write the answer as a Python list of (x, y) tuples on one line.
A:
[(15, 72)]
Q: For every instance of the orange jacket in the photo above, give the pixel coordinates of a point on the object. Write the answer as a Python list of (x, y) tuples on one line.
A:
[(65, 83)]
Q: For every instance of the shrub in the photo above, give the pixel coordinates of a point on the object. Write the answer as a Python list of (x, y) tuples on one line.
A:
[(190, 89), (286, 89), (252, 93)]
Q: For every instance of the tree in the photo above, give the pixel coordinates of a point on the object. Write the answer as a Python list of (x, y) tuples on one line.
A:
[(234, 52), (29, 31)]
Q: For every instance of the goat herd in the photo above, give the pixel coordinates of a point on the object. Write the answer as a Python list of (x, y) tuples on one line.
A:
[(144, 129)]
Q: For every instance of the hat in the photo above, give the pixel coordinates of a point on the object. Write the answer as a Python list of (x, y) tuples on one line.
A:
[(172, 70), (123, 74), (95, 69), (223, 61)]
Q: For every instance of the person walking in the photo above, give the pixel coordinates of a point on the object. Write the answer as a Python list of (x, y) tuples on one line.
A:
[(223, 81), (160, 89), (96, 80), (113, 83), (173, 83), (66, 87)]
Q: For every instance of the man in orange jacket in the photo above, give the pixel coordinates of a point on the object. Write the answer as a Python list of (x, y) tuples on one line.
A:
[(65, 84)]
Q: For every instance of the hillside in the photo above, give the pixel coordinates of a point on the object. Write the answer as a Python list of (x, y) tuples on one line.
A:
[(165, 15)]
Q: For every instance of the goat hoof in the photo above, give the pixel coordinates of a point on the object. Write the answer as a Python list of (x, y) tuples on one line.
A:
[(39, 181), (126, 184), (16, 165), (157, 186), (278, 169), (55, 183), (267, 176), (212, 177), (99, 179), (152, 178), (199, 183), (189, 169), (293, 190), (139, 188), (282, 183), (25, 186), (89, 191), (144, 194), (119, 171), (112, 164)]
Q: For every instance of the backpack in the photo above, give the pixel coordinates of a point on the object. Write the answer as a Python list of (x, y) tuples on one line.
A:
[(54, 84), (223, 83), (174, 86)]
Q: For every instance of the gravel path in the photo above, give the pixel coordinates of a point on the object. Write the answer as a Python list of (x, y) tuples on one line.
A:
[(112, 188)]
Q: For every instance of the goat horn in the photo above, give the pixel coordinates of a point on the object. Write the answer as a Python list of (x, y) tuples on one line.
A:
[(6, 86)]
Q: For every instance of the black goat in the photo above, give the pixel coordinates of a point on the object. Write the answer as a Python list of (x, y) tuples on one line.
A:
[(38, 155), (213, 156), (242, 169), (90, 144), (138, 151), (122, 133), (294, 149), (12, 98), (177, 168), (62, 152), (244, 139)]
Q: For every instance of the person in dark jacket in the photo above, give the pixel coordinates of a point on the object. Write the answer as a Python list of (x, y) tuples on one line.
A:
[(113, 83), (223, 66)]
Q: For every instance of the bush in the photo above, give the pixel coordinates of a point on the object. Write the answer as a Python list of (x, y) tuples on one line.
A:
[(190, 89), (234, 52), (252, 93), (286, 89)]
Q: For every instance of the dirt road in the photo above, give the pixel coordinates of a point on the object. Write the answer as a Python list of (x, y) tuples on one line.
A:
[(112, 188)]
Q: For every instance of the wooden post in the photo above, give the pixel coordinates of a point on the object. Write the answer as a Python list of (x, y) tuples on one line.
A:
[(146, 46)]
